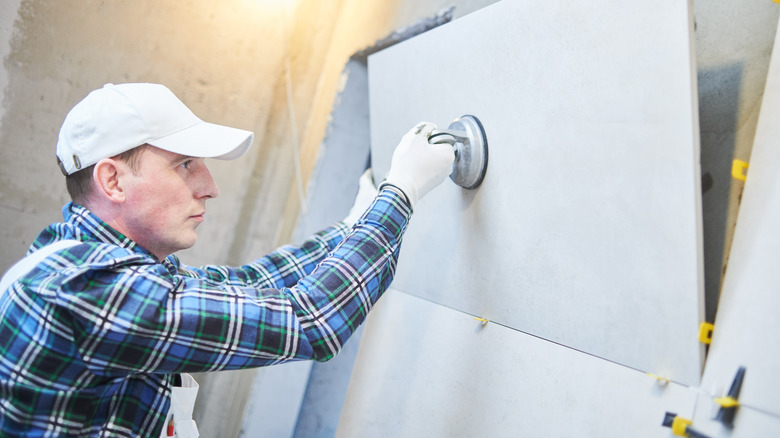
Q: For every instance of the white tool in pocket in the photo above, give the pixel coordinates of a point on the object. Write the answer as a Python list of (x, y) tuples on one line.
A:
[(179, 422)]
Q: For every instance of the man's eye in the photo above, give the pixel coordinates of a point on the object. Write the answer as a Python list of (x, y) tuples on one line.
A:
[(186, 164)]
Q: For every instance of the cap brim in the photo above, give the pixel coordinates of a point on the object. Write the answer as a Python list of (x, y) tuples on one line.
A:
[(207, 140)]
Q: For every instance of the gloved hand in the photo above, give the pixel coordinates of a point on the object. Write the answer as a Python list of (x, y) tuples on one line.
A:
[(418, 166), (365, 196)]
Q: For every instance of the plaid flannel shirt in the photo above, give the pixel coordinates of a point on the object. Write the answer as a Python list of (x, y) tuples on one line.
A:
[(91, 338)]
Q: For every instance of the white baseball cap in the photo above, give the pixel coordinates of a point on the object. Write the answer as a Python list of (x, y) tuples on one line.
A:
[(117, 118)]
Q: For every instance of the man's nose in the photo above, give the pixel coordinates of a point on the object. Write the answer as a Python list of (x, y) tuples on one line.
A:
[(207, 188)]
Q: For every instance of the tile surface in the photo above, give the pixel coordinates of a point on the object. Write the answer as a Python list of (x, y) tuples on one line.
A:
[(586, 229), (424, 370)]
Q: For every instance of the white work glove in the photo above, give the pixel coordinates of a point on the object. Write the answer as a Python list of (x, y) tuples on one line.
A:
[(365, 196), (418, 166)]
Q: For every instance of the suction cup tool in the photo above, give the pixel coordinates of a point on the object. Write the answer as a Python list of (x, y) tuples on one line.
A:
[(467, 136)]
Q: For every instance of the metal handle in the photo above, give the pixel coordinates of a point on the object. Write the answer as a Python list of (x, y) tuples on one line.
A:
[(467, 137), (447, 136)]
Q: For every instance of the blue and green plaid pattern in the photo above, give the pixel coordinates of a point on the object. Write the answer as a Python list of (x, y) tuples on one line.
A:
[(91, 338)]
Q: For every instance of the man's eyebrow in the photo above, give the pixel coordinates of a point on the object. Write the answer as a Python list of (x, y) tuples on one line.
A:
[(180, 157)]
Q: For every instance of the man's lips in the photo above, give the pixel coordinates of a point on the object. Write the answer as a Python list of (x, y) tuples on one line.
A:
[(198, 217)]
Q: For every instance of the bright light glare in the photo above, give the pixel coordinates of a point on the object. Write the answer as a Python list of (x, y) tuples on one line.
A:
[(274, 4)]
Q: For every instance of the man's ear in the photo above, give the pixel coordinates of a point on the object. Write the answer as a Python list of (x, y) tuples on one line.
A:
[(107, 178)]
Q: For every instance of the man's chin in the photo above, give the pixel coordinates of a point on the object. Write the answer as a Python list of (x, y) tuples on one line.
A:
[(187, 243), (191, 243)]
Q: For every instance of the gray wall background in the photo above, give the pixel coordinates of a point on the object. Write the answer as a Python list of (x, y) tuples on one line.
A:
[(277, 68)]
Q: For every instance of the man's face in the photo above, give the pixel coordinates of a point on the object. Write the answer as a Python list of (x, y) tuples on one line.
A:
[(165, 200)]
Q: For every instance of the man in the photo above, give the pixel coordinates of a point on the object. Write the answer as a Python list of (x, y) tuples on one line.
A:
[(96, 338)]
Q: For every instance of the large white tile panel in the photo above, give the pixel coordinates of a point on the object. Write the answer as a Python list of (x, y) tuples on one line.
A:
[(424, 370), (747, 326), (586, 230)]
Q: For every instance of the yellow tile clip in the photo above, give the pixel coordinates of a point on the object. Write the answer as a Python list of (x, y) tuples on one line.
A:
[(662, 381), (727, 402), (705, 333), (739, 168), (680, 426)]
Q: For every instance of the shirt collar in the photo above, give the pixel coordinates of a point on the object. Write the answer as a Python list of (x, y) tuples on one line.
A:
[(91, 227), (82, 224), (95, 229)]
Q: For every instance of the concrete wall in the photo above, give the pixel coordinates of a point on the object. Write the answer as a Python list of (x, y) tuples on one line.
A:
[(222, 60)]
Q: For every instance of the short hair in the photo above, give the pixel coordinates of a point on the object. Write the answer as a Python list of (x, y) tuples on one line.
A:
[(79, 184)]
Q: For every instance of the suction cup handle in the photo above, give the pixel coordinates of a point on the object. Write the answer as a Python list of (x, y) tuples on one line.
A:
[(447, 136), (452, 138), (467, 137)]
